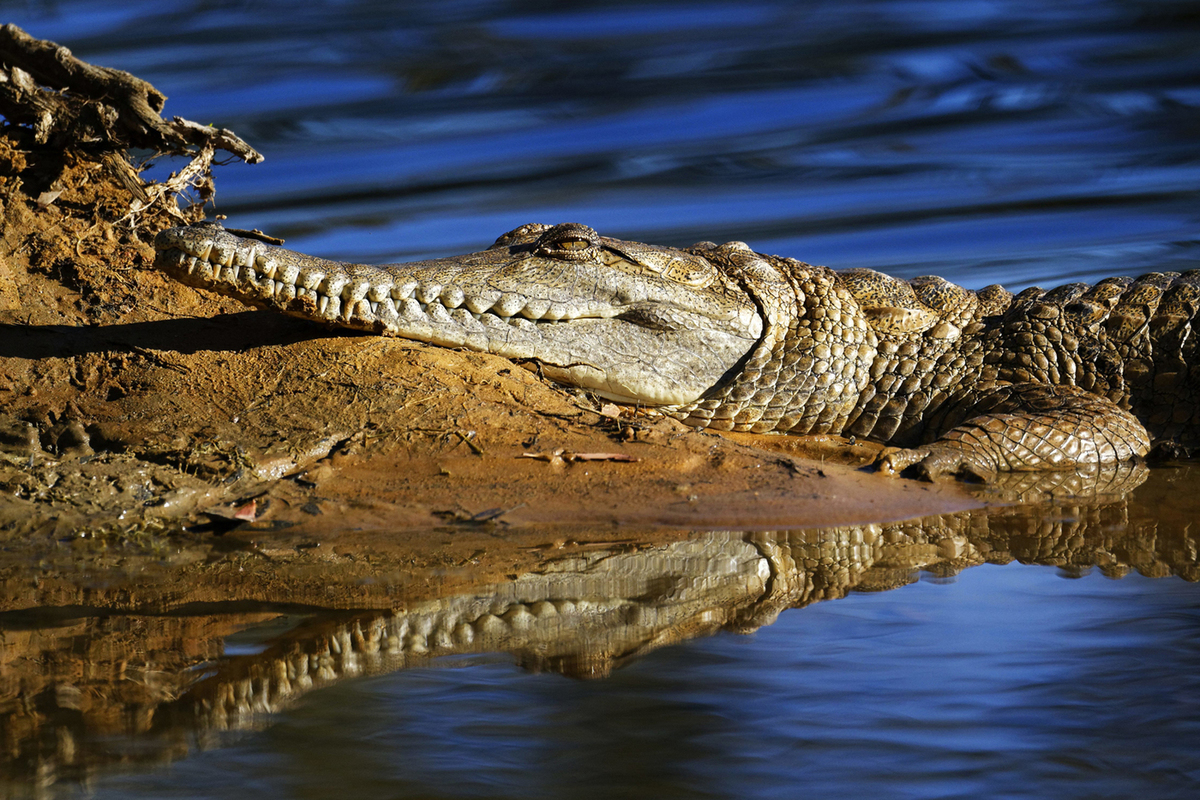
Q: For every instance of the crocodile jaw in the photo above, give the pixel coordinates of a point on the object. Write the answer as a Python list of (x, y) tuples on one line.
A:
[(565, 317)]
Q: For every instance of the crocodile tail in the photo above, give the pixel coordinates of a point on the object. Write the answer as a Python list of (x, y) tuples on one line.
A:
[(1151, 328), (1129, 340)]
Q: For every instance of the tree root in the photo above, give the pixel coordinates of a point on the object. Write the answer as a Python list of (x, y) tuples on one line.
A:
[(68, 104)]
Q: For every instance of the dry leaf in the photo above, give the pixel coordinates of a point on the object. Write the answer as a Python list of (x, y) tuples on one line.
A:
[(610, 410)]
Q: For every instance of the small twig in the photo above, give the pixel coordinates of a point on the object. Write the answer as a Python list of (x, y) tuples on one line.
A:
[(565, 456), (468, 439)]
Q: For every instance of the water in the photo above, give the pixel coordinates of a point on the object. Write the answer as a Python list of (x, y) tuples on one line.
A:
[(1008, 142), (983, 141), (982, 689)]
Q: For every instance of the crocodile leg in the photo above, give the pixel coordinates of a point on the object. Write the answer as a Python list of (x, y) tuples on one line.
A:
[(1026, 426)]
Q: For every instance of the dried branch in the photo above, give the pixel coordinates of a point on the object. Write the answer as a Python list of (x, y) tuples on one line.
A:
[(70, 104)]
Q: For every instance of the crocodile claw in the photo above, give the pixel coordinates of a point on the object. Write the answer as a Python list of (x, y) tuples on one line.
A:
[(933, 462)]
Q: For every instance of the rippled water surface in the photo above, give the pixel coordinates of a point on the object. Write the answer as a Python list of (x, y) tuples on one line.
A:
[(1008, 683), (1008, 141)]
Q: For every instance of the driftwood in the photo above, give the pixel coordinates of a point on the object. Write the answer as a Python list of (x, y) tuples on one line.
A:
[(70, 104)]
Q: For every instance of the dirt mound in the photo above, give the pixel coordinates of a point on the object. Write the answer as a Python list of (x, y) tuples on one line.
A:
[(131, 406)]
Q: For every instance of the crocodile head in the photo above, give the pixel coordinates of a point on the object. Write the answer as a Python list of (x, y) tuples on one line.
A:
[(632, 322)]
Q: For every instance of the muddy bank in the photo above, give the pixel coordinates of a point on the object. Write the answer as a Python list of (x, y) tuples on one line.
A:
[(133, 407), (129, 400)]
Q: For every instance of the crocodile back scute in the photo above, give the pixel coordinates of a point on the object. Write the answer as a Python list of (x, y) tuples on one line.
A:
[(1162, 369), (1129, 340), (916, 369)]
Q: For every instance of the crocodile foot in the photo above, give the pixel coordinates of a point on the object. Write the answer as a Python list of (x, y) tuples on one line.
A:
[(935, 461), (1027, 427)]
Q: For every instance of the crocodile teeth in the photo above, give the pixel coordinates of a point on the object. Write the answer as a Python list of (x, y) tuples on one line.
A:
[(380, 290), (334, 284), (428, 293), (509, 305), (323, 305), (220, 255), (265, 265), (452, 297), (535, 309), (287, 276), (355, 290), (310, 279), (477, 305)]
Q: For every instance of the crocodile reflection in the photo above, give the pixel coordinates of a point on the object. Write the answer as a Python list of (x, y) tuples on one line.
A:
[(582, 615)]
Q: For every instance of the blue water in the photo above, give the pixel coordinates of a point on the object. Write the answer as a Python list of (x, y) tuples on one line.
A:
[(1008, 682), (985, 141), (1007, 141)]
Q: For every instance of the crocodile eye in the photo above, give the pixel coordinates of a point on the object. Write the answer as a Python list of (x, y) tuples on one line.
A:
[(570, 240)]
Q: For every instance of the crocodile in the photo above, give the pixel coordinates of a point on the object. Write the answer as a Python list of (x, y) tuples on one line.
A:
[(957, 382)]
